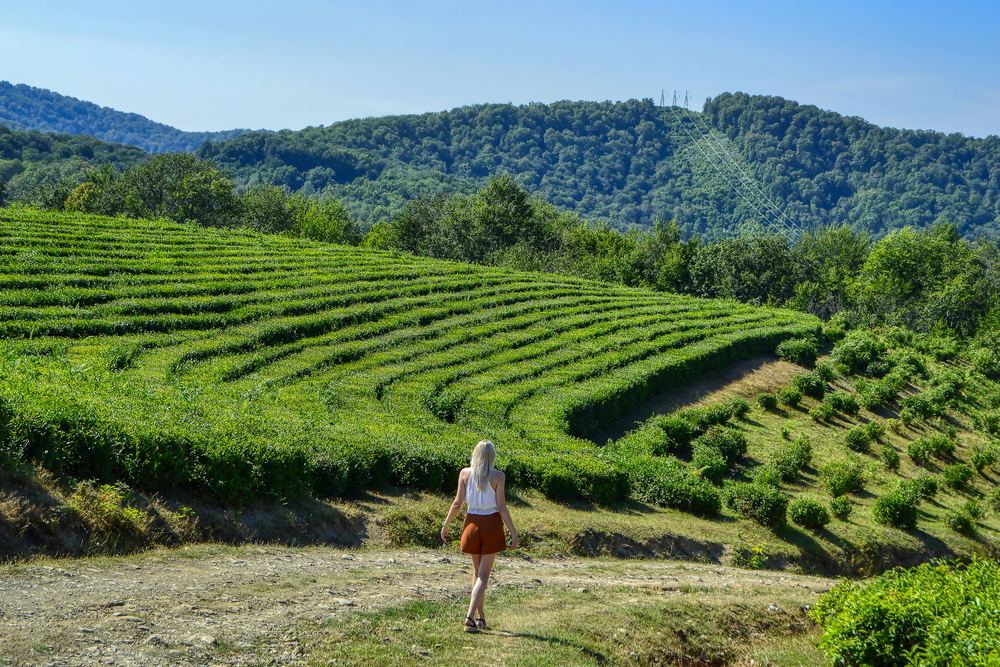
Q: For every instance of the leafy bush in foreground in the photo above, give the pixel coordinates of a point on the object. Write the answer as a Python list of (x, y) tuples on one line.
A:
[(841, 507), (810, 384), (790, 396), (767, 401), (933, 616), (858, 440), (889, 456), (957, 476), (960, 522)]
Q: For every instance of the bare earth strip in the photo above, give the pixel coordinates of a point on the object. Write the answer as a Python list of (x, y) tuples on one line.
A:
[(225, 605)]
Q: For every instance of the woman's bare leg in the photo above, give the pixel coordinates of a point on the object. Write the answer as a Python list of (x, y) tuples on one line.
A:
[(482, 578)]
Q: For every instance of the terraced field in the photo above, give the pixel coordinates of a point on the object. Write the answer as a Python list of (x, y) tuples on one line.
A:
[(239, 365)]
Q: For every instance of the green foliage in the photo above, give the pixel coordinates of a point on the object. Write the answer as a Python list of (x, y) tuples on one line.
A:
[(858, 440), (895, 509), (808, 514), (993, 499), (791, 458), (767, 401), (958, 475), (841, 507), (889, 456), (740, 407), (810, 384), (666, 482), (841, 402), (974, 509), (983, 458), (768, 475), (790, 396), (919, 452), (729, 442), (857, 351), (709, 463), (844, 476), (764, 504), (801, 351), (875, 430), (960, 522), (933, 615)]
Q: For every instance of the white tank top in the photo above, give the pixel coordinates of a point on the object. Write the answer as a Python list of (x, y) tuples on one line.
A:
[(480, 502)]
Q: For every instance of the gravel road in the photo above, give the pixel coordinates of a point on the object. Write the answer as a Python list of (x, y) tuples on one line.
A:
[(241, 605)]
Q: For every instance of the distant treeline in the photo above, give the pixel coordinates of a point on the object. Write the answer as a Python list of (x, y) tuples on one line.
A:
[(632, 163), (24, 107), (925, 279)]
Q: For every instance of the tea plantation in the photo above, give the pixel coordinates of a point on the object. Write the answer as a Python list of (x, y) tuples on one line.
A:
[(238, 365)]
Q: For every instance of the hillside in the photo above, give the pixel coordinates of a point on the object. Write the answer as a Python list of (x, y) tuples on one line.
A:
[(24, 107), (240, 365), (632, 162)]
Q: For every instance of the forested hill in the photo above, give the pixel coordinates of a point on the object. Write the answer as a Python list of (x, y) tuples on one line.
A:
[(24, 107), (632, 162)]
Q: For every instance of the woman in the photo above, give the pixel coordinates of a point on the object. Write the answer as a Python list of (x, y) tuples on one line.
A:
[(481, 487)]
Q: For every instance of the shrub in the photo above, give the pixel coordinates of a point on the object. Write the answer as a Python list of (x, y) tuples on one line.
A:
[(810, 384), (801, 351), (709, 463), (957, 476), (732, 444), (856, 351), (786, 433), (960, 522), (678, 430), (825, 371), (918, 490), (894, 425), (940, 446), (889, 457), (983, 458), (857, 440), (987, 421), (767, 401), (823, 413), (875, 430), (445, 405), (993, 499), (790, 396), (928, 615), (666, 482), (802, 449), (843, 476), (842, 402), (808, 513), (416, 526), (917, 451), (763, 504), (841, 507), (739, 407), (768, 475), (895, 509), (974, 508)]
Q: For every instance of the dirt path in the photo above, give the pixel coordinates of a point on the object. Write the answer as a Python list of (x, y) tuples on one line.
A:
[(232, 605)]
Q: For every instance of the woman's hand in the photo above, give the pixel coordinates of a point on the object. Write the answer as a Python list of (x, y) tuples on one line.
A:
[(514, 542), (444, 533)]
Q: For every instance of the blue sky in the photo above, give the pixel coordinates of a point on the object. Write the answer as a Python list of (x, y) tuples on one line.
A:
[(220, 65)]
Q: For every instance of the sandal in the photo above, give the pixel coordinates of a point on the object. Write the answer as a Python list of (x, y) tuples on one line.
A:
[(470, 625), (481, 624)]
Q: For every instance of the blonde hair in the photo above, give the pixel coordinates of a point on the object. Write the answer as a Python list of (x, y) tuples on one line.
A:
[(483, 457)]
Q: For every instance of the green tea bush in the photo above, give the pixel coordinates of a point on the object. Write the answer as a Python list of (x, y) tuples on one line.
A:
[(763, 504), (993, 499), (858, 440), (802, 450), (940, 446), (729, 442), (843, 476), (889, 457), (896, 510), (983, 458), (918, 452), (709, 463), (790, 396), (875, 430), (824, 412), (810, 384), (856, 351), (931, 615), (768, 475), (842, 402), (957, 476), (767, 402), (960, 522), (974, 508), (825, 371), (987, 421), (739, 407), (801, 351), (840, 508), (808, 513), (667, 482), (894, 426)]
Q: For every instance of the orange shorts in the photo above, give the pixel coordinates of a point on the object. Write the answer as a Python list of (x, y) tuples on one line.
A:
[(483, 534)]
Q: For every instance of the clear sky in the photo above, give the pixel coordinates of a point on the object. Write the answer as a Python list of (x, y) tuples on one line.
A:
[(215, 65)]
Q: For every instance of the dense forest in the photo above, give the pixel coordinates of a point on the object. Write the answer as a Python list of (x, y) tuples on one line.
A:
[(24, 107), (633, 162)]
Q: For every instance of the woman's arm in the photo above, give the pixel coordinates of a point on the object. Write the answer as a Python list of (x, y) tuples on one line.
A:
[(502, 508), (456, 505)]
